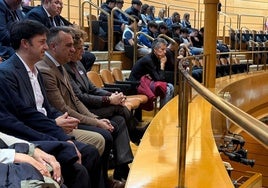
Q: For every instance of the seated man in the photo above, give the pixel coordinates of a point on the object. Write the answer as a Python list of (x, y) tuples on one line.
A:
[(154, 65), (128, 38), (10, 12), (102, 103), (37, 165), (62, 97), (99, 101), (28, 114), (150, 30)]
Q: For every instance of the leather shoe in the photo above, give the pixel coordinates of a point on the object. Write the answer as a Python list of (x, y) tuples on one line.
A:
[(112, 183)]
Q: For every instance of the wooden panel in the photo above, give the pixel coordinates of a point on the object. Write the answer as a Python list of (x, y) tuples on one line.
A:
[(155, 163)]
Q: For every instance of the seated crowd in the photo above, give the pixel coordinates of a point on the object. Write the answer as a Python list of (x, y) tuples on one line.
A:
[(57, 125)]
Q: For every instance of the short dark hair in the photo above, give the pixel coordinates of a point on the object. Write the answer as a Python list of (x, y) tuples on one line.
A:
[(152, 24), (25, 29), (130, 21)]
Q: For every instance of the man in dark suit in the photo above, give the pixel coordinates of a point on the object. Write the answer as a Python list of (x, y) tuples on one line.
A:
[(26, 115), (48, 13), (9, 13)]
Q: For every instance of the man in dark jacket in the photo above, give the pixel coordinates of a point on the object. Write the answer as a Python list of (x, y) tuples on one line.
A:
[(135, 8), (154, 65), (9, 13)]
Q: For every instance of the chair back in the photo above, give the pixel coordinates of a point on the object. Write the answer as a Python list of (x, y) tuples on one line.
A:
[(117, 74), (107, 76), (95, 78)]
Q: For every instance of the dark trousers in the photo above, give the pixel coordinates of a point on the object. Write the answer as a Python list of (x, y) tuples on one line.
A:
[(91, 161)]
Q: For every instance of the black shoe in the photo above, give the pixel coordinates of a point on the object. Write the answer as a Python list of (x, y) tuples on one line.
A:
[(121, 172)]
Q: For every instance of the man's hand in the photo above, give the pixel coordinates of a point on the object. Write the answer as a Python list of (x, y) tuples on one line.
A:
[(45, 159), (117, 98), (163, 61), (67, 123), (105, 124), (77, 152)]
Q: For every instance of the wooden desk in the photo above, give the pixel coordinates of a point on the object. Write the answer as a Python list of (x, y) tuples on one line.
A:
[(155, 163)]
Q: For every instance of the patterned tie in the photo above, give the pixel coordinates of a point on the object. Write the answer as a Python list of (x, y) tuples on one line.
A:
[(51, 21)]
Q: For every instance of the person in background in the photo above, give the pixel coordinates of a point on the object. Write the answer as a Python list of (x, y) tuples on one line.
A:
[(176, 30), (150, 30), (48, 13), (175, 18), (154, 65), (10, 12), (185, 22), (161, 16), (163, 29), (128, 38), (118, 15), (135, 8), (144, 13), (150, 14)]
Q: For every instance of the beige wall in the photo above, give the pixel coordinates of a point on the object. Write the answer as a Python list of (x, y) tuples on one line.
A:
[(234, 8)]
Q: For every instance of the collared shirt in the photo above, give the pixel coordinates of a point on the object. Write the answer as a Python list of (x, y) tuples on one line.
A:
[(39, 98), (50, 17), (55, 62)]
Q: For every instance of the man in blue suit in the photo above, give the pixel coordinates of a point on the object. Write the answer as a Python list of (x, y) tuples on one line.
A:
[(28, 115), (9, 13), (48, 13)]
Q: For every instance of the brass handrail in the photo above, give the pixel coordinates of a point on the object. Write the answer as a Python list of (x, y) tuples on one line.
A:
[(90, 25), (248, 15), (230, 23), (252, 126), (134, 30), (230, 29), (146, 35)]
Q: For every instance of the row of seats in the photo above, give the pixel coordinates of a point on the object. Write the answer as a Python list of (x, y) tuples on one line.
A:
[(113, 81), (249, 40)]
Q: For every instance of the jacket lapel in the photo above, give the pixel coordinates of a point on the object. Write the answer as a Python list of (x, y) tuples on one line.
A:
[(24, 77), (62, 77)]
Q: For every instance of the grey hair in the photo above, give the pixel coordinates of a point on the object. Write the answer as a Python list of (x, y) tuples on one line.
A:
[(157, 42)]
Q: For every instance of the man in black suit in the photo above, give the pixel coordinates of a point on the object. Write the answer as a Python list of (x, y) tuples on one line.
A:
[(27, 115), (9, 13)]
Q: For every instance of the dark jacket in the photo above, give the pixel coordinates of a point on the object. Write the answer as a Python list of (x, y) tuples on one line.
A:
[(6, 19), (148, 64), (83, 88), (18, 112), (39, 14)]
